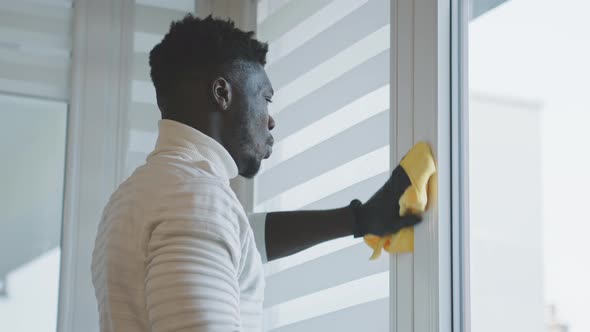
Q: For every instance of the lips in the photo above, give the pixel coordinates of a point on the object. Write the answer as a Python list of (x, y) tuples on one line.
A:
[(270, 143), (269, 152)]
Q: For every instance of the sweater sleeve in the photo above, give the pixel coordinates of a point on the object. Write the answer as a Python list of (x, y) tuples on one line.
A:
[(258, 224), (191, 280)]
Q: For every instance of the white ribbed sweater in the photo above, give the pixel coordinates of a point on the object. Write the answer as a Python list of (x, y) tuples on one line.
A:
[(174, 249)]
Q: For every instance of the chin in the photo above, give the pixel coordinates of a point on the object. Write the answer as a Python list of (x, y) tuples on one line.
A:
[(251, 168)]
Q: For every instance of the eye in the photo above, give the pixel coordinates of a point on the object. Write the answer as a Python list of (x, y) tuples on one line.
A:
[(268, 100)]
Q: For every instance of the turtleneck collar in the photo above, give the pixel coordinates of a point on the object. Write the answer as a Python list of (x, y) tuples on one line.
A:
[(177, 137)]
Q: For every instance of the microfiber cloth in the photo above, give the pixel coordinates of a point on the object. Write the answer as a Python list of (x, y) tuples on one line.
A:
[(420, 167)]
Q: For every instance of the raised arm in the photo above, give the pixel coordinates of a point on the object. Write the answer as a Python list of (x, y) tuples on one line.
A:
[(289, 232), (292, 231)]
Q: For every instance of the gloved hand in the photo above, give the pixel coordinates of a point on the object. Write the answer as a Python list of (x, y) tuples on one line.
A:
[(380, 215), (385, 219)]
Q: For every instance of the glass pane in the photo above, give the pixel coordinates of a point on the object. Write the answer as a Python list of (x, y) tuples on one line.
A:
[(328, 62), (529, 165), (32, 143)]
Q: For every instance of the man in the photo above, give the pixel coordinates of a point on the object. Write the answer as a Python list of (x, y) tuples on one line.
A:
[(175, 250)]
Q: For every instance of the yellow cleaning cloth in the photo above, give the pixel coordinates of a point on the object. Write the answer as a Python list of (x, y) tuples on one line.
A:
[(420, 167)]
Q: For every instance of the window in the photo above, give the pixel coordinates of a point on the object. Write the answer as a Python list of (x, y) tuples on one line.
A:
[(329, 65), (35, 39), (528, 170), (33, 141), (353, 94)]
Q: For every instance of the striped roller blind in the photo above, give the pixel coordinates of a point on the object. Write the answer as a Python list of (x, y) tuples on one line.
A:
[(152, 21), (35, 48), (329, 65)]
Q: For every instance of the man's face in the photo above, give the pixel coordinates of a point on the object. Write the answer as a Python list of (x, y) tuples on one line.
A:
[(250, 139)]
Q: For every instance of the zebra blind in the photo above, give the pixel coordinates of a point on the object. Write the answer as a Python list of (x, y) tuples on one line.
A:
[(35, 48), (152, 21), (329, 65)]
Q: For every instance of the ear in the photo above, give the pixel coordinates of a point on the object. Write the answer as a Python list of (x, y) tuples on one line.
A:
[(222, 96)]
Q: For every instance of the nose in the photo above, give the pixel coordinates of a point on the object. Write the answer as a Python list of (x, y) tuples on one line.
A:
[(271, 123)]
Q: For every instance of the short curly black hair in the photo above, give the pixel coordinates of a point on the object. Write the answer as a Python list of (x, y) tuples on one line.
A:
[(194, 45)]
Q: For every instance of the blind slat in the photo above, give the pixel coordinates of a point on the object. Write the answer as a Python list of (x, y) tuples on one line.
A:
[(28, 79), (15, 56), (144, 116), (354, 142), (143, 92), (32, 21), (35, 43), (340, 178), (327, 271), (372, 316), (179, 5), (311, 26), (155, 20), (33, 89), (144, 42), (34, 73), (57, 10), (142, 141), (288, 16), (357, 82), (362, 190), (330, 125), (352, 28), (141, 67), (26, 25)]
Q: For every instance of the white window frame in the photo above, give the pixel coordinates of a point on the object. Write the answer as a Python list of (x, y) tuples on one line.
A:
[(460, 14), (100, 95), (430, 287)]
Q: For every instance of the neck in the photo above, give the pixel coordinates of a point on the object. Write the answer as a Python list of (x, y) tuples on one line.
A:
[(209, 123)]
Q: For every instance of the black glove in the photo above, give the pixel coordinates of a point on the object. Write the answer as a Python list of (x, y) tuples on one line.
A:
[(380, 214)]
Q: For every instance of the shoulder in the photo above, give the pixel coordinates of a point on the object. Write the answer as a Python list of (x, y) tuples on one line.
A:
[(208, 202), (175, 184)]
